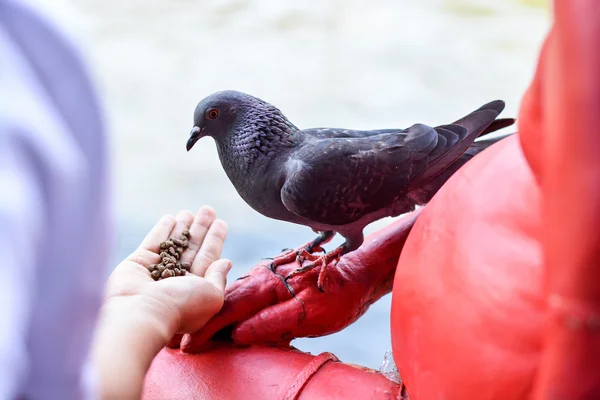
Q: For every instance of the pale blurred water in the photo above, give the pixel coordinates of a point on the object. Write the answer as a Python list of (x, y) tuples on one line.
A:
[(355, 64)]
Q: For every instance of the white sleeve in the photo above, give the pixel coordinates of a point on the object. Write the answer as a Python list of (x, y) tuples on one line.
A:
[(21, 227), (54, 214)]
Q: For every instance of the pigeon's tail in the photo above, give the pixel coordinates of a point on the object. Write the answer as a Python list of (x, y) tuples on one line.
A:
[(456, 138), (424, 194), (476, 148), (498, 124)]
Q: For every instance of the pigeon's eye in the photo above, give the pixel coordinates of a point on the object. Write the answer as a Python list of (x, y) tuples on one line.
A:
[(213, 113)]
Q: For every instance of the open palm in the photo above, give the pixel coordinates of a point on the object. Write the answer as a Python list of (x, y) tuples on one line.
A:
[(187, 302)]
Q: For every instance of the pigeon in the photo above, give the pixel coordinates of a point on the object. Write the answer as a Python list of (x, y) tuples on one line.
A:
[(334, 180)]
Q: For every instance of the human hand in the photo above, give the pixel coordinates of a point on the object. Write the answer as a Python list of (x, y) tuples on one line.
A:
[(140, 315), (261, 308)]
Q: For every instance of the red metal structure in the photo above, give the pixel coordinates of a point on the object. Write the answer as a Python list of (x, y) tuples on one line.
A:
[(496, 292)]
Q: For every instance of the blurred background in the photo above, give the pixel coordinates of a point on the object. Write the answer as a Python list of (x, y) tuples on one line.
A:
[(338, 63)]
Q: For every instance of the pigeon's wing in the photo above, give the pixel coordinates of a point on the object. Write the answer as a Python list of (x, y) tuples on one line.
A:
[(333, 133), (337, 181)]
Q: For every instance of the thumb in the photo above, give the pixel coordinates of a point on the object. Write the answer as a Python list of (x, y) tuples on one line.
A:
[(197, 299), (217, 273)]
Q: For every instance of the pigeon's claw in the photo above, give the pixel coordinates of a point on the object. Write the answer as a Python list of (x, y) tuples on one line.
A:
[(307, 254), (283, 259), (300, 254), (304, 252), (319, 261), (316, 245)]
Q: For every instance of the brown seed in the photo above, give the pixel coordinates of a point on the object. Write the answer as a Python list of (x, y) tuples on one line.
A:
[(160, 268), (177, 242), (185, 265), (170, 265), (172, 250), (167, 273), (155, 274), (163, 245), (179, 250), (177, 271), (186, 233), (169, 243), (163, 254), (185, 244), (151, 267)]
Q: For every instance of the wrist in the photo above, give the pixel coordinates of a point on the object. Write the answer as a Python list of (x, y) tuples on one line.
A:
[(131, 331)]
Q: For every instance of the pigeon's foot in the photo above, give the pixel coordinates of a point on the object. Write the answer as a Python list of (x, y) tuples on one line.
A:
[(304, 252), (322, 261), (287, 257)]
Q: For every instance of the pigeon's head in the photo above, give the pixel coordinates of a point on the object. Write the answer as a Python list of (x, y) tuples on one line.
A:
[(219, 114), (216, 114)]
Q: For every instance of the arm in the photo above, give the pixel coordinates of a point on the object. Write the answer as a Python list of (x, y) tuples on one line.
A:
[(140, 315)]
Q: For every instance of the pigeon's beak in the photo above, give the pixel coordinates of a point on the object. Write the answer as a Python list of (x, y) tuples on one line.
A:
[(194, 137)]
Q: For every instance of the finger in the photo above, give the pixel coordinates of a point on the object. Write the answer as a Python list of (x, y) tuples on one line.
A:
[(278, 323), (211, 248), (159, 233), (217, 273), (246, 301), (148, 251), (184, 220), (198, 230)]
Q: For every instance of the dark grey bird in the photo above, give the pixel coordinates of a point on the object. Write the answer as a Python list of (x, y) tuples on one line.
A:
[(334, 180)]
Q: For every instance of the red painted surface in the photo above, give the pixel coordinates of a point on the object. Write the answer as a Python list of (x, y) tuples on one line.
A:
[(225, 372), (467, 301), (497, 291), (569, 100)]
